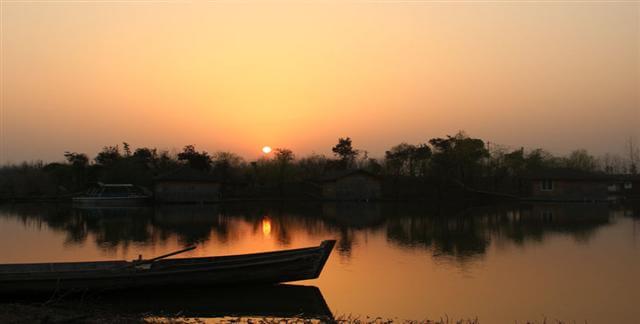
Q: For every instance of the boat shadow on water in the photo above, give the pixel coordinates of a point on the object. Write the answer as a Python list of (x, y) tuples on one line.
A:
[(242, 301), (247, 301), (238, 286)]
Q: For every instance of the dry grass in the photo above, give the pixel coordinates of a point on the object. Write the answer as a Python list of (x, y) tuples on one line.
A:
[(338, 320), (91, 314)]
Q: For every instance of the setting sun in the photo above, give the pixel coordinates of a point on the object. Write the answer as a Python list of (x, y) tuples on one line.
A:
[(266, 149)]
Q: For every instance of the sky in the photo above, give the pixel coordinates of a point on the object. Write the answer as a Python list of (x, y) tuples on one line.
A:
[(239, 75)]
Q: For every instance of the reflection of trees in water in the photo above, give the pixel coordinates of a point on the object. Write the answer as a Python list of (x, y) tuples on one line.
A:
[(349, 218), (121, 227), (446, 233), (458, 236), (532, 223), (191, 223), (283, 224), (111, 227), (53, 217), (468, 234), (630, 209), (346, 241), (115, 227)]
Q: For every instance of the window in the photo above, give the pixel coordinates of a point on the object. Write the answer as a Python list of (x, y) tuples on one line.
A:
[(628, 185), (546, 185)]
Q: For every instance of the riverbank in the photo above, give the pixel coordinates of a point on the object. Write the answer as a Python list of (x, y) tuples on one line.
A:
[(79, 312), (62, 313)]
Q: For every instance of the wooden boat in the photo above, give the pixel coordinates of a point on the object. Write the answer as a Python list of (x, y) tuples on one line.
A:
[(257, 268), (104, 194)]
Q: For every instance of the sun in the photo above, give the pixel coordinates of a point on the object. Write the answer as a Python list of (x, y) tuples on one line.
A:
[(266, 149)]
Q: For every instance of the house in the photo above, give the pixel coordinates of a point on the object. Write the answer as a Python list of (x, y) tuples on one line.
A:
[(625, 186), (349, 185), (561, 184), (187, 185)]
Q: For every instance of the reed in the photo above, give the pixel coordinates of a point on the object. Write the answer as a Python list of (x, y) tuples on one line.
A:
[(79, 312)]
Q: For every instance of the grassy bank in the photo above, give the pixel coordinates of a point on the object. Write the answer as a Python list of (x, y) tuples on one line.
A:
[(89, 313)]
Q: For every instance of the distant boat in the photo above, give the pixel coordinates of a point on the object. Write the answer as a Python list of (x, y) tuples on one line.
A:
[(257, 268), (112, 195)]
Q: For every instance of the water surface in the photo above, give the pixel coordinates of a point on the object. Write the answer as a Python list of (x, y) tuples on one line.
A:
[(499, 263)]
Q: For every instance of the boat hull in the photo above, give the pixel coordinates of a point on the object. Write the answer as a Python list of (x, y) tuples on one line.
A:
[(110, 201), (259, 268)]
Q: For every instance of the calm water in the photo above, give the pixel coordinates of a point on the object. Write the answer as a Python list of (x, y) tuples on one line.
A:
[(500, 264)]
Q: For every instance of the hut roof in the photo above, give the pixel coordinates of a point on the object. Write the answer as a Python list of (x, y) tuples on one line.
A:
[(187, 174), (332, 176), (114, 185), (568, 174)]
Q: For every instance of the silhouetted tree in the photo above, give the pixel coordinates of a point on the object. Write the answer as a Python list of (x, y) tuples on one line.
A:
[(372, 165), (126, 149), (408, 159), (165, 161), (226, 166), (195, 159), (612, 163), (228, 158), (108, 155), (77, 160), (421, 157), (283, 158), (345, 151), (396, 158), (515, 162), (458, 156), (540, 159), (79, 163), (581, 160), (313, 166), (146, 155)]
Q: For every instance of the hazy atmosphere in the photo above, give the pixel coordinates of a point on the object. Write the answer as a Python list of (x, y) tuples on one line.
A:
[(235, 77), (340, 162)]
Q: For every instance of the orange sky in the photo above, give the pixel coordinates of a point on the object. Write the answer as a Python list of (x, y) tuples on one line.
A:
[(239, 75)]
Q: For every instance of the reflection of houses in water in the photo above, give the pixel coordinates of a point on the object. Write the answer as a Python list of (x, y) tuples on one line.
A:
[(626, 186), (348, 185), (351, 216), (460, 236), (534, 221), (192, 223), (186, 185), (113, 226), (467, 235)]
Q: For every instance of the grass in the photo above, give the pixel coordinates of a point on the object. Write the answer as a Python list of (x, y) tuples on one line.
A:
[(63, 312)]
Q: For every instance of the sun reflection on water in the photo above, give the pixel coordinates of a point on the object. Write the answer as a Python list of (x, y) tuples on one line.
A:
[(266, 226)]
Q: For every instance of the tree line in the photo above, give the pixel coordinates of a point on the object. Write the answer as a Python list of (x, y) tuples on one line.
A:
[(456, 158)]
